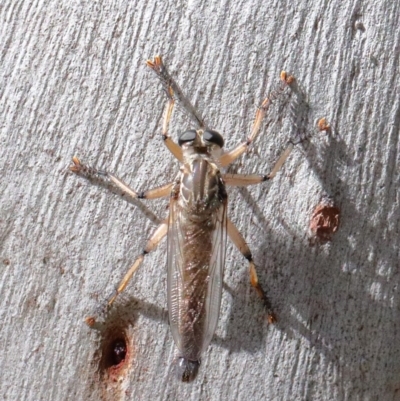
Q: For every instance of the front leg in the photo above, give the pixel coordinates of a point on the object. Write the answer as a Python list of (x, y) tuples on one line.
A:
[(173, 91), (232, 155)]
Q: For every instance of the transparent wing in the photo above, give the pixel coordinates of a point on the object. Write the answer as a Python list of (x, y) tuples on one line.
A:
[(196, 258)]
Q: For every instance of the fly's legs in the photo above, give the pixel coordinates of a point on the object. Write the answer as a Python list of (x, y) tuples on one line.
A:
[(173, 91), (240, 180), (155, 239), (231, 156), (160, 232), (252, 179), (244, 249), (90, 172), (172, 146)]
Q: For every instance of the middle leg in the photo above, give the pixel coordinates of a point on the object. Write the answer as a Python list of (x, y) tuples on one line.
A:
[(240, 180), (90, 172), (117, 186)]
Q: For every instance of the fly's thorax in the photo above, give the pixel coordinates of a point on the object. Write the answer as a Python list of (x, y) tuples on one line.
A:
[(202, 190)]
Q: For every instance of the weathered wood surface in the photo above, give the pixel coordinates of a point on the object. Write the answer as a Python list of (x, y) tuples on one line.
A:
[(74, 82)]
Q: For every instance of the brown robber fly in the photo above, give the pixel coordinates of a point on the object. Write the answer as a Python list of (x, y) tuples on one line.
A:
[(197, 225)]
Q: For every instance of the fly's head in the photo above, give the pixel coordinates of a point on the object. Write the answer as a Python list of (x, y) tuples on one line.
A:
[(207, 142)]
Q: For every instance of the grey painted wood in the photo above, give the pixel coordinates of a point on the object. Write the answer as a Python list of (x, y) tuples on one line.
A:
[(74, 82)]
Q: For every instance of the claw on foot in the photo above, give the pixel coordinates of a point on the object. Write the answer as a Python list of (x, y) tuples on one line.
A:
[(272, 318), (76, 167), (285, 78), (155, 64)]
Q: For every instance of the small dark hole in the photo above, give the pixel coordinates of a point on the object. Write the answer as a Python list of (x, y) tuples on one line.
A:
[(118, 351), (115, 351)]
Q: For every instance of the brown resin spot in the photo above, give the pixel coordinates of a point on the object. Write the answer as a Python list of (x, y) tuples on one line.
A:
[(323, 125), (325, 221)]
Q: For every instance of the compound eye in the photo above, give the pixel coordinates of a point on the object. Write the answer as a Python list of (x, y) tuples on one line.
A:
[(188, 136), (213, 137)]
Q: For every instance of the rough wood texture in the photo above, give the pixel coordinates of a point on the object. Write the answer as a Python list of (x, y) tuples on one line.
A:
[(74, 82)]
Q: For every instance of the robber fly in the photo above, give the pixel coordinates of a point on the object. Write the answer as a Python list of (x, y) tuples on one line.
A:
[(197, 225)]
